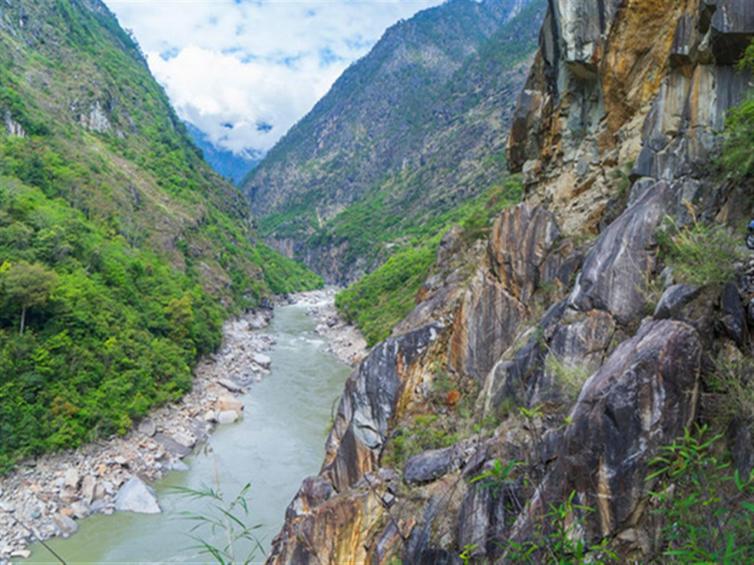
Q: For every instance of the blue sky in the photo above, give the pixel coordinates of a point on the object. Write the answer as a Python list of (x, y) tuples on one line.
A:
[(245, 71)]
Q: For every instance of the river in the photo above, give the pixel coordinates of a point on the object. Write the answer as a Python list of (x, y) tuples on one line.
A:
[(279, 441)]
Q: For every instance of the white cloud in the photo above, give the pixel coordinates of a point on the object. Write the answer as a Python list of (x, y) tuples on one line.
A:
[(252, 64)]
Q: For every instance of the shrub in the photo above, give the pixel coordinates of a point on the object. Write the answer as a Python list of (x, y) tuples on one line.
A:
[(737, 157), (569, 377), (699, 254), (733, 379), (706, 510), (427, 431), (225, 520)]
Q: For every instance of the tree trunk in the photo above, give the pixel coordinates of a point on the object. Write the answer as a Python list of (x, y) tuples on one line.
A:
[(23, 320)]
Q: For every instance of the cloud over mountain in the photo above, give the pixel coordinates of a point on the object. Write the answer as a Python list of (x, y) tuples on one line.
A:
[(243, 71)]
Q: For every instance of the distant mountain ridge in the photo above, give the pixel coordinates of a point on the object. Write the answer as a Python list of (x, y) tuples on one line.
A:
[(228, 164), (415, 128)]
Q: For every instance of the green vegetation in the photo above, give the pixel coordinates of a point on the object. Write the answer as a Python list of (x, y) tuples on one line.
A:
[(382, 298), (570, 377), (558, 539), (699, 254), (732, 380), (737, 158), (426, 431), (497, 476), (27, 285), (112, 330), (706, 508), (557, 536), (225, 519), (121, 252)]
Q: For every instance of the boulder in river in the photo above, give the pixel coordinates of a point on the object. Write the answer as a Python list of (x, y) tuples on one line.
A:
[(230, 385), (227, 417), (262, 360), (172, 446), (185, 439), (136, 496), (80, 509), (65, 525), (225, 403)]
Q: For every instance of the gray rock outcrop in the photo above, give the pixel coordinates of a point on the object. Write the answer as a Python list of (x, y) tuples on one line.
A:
[(136, 496)]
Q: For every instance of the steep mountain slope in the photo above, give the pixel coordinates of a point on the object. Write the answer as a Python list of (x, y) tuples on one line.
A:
[(120, 250), (577, 389), (409, 132), (227, 164)]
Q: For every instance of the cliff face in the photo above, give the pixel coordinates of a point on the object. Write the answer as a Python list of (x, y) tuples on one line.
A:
[(556, 341), (409, 132)]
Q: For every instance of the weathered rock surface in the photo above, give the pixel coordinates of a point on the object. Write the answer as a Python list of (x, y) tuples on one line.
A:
[(262, 360), (431, 465), (524, 254), (65, 525), (618, 267), (136, 496), (640, 400), (674, 299), (734, 315), (370, 400), (328, 531)]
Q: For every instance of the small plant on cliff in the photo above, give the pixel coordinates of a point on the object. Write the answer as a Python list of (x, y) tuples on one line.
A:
[(737, 158), (467, 553), (224, 520), (427, 431), (570, 377), (497, 476), (707, 510), (559, 539), (733, 380), (699, 254)]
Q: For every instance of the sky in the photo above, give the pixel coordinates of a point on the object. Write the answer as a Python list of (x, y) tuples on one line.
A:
[(244, 71)]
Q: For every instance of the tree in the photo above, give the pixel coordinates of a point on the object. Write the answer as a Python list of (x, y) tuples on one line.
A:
[(28, 284)]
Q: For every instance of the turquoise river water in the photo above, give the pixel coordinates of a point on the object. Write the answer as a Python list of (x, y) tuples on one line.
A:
[(279, 441)]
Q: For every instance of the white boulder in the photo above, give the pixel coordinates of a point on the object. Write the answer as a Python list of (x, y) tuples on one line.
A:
[(227, 417), (136, 496), (262, 360)]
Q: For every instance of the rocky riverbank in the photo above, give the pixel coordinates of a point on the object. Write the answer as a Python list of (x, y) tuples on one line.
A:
[(343, 339), (45, 497)]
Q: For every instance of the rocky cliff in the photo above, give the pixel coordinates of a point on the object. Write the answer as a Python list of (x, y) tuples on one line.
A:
[(409, 132), (546, 372)]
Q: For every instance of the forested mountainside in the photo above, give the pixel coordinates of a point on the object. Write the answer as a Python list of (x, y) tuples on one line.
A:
[(578, 388), (121, 252), (229, 165), (405, 136)]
